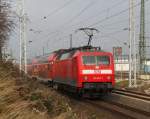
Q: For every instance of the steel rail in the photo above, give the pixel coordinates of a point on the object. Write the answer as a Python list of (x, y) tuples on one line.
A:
[(133, 94), (121, 109)]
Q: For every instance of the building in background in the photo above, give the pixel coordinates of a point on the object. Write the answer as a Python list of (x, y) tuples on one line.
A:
[(121, 63)]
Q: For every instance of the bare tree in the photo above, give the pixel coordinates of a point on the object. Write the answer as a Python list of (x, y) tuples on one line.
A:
[(5, 24)]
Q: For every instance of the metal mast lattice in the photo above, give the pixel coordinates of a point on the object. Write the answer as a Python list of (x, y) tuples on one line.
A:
[(132, 41), (22, 35), (142, 41)]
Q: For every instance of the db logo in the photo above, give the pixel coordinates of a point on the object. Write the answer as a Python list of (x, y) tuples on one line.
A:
[(97, 71), (97, 67)]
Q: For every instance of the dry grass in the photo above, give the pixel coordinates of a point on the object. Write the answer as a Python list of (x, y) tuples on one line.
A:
[(125, 84), (142, 86), (29, 99)]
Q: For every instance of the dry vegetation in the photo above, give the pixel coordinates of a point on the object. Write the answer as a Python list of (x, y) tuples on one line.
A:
[(5, 24), (142, 86), (29, 99)]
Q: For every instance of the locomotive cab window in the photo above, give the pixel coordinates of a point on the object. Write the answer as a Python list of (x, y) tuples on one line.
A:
[(103, 60), (96, 60), (89, 60)]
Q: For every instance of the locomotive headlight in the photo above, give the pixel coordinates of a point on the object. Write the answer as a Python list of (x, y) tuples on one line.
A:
[(85, 78), (109, 77)]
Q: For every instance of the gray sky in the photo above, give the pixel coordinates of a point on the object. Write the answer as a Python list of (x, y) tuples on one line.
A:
[(63, 17)]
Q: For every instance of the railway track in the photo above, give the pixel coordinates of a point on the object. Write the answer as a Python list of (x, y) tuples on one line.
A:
[(121, 109), (117, 108), (124, 110), (133, 94)]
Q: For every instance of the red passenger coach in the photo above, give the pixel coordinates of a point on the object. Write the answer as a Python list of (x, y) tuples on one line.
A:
[(85, 69), (41, 67)]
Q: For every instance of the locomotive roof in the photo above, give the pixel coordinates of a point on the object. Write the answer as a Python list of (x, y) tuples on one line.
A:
[(83, 48), (61, 51)]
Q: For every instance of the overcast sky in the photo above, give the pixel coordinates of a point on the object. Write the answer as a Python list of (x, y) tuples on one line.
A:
[(50, 22)]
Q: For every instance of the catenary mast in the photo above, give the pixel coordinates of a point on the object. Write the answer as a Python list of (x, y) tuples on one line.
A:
[(142, 41), (132, 44), (22, 35)]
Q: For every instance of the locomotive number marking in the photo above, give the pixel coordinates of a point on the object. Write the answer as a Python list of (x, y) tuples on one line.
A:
[(96, 71), (106, 71)]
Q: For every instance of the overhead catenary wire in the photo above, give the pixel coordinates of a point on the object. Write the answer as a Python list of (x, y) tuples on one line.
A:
[(109, 34), (107, 17), (91, 17), (60, 8), (54, 12), (119, 21), (83, 10), (111, 24), (118, 31), (76, 16), (112, 33), (114, 15), (100, 12)]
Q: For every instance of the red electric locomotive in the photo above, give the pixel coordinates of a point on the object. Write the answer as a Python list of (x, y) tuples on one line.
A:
[(81, 70), (84, 70)]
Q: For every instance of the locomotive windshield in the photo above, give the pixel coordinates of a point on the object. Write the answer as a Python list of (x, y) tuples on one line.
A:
[(96, 60)]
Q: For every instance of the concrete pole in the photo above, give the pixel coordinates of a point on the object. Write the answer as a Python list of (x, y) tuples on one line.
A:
[(134, 43), (130, 43), (25, 44), (132, 65), (19, 12), (20, 40)]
